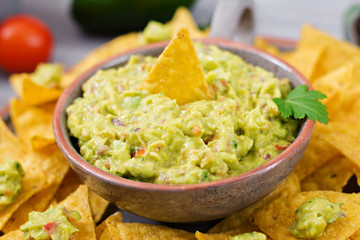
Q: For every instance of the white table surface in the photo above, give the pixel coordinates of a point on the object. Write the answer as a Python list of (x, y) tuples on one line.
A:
[(280, 18)]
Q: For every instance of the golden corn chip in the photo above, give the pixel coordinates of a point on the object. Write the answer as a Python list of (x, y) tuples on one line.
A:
[(335, 53), (102, 231), (356, 235), (14, 235), (39, 202), (345, 138), (216, 236), (305, 60), (121, 231), (79, 201), (111, 48), (34, 180), (55, 166), (316, 154), (333, 175), (106, 235), (33, 125), (98, 206), (10, 146), (32, 93), (261, 43), (240, 221), (177, 72), (182, 16), (276, 218), (69, 184)]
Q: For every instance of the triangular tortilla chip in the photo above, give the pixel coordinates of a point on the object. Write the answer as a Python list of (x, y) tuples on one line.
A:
[(239, 222), (178, 72), (34, 180), (14, 235), (183, 16), (33, 125), (78, 201), (333, 175), (276, 218), (55, 166), (32, 93)]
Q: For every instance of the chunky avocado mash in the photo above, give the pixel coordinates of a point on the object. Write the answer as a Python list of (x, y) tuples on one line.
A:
[(156, 32), (11, 173), (249, 236), (149, 137), (47, 75), (56, 223), (313, 216)]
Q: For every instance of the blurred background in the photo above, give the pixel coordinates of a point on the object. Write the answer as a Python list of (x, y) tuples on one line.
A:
[(76, 34)]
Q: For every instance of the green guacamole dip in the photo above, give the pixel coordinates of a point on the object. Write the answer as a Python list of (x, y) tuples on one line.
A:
[(11, 173), (313, 216), (149, 137), (249, 236), (56, 223)]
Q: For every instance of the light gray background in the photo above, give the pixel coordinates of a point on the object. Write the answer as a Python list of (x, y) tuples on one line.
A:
[(280, 18)]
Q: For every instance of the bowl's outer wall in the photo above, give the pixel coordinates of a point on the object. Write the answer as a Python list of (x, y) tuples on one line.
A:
[(188, 204)]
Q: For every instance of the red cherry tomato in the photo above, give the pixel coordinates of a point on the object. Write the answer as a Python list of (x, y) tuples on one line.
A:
[(25, 41)]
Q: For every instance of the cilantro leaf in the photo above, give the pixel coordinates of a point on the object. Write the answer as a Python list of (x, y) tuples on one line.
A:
[(301, 102)]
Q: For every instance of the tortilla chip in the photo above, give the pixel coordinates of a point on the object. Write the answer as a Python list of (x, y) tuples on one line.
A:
[(317, 153), (335, 52), (98, 206), (276, 218), (14, 235), (240, 222), (345, 138), (178, 72), (55, 166), (217, 236), (261, 43), (182, 16), (356, 235), (305, 60), (33, 125), (69, 184), (78, 201), (32, 93), (102, 231), (333, 175), (10, 146), (123, 231), (34, 180), (111, 48), (39, 202)]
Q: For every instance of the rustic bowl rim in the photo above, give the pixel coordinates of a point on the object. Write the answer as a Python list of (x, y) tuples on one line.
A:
[(301, 140)]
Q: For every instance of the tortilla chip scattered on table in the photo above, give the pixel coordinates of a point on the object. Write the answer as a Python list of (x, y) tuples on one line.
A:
[(33, 125), (78, 201), (14, 235), (277, 217), (178, 72)]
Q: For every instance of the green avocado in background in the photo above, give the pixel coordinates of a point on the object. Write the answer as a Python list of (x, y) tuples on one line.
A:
[(119, 16)]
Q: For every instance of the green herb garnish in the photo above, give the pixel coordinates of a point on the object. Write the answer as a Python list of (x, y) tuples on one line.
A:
[(301, 102)]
